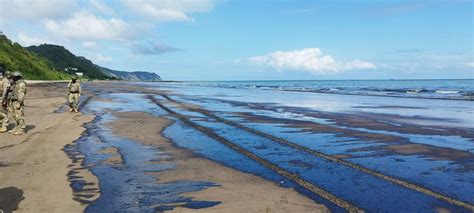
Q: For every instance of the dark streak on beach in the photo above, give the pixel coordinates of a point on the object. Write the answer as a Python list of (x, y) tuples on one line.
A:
[(10, 198)]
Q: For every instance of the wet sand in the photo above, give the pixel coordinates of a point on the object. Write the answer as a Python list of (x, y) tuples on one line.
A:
[(43, 172), (383, 142), (36, 175), (237, 191)]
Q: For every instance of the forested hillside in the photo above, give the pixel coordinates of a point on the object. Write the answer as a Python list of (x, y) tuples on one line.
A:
[(61, 59), (54, 62), (17, 58)]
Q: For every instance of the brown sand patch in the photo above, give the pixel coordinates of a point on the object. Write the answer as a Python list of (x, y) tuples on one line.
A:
[(437, 153), (442, 210), (115, 159), (341, 156), (110, 150), (105, 100)]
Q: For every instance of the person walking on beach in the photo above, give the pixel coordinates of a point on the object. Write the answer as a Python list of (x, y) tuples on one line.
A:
[(17, 96), (5, 84), (74, 93)]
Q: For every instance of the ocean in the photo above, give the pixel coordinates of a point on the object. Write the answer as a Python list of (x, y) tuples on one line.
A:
[(458, 89)]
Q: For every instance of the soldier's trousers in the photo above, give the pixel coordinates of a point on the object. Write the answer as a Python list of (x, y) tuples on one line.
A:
[(18, 114), (9, 106), (73, 99), (3, 118)]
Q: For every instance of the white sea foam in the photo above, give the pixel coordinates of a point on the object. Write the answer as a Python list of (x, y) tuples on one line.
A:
[(447, 91)]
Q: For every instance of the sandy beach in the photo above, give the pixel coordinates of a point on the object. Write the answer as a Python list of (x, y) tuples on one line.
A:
[(237, 106), (153, 147), (34, 164), (36, 174)]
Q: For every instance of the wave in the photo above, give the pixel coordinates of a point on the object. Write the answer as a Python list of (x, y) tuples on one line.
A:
[(447, 91), (440, 89)]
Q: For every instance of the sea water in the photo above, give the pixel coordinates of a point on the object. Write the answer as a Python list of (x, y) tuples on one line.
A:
[(461, 89)]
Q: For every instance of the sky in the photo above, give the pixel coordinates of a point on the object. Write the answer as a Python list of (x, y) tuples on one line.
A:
[(256, 39)]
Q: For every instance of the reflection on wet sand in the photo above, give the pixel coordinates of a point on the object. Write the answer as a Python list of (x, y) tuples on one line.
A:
[(125, 146)]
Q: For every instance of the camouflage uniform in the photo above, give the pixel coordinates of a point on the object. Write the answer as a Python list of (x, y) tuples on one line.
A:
[(74, 93), (17, 96), (5, 84), (4, 120)]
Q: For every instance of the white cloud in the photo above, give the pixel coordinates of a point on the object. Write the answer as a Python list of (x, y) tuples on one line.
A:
[(89, 45), (308, 59), (36, 9), (101, 58), (169, 10), (86, 26), (26, 40), (152, 48), (102, 7), (429, 62)]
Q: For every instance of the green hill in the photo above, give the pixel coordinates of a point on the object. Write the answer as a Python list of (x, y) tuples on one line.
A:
[(17, 58), (54, 62), (62, 59)]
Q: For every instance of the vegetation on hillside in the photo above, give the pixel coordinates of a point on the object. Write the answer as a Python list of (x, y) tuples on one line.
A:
[(17, 58), (54, 62), (63, 60)]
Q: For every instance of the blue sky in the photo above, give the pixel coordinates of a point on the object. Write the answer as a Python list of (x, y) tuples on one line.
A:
[(256, 39)]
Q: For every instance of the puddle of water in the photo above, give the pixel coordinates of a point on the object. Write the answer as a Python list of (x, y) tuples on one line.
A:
[(200, 204)]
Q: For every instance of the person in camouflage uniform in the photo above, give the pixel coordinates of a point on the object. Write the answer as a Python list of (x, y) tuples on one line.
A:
[(17, 96), (5, 84), (74, 93)]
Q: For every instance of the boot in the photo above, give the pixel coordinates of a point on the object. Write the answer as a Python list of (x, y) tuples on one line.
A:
[(71, 109), (19, 132), (13, 130), (3, 129), (75, 110), (21, 124)]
